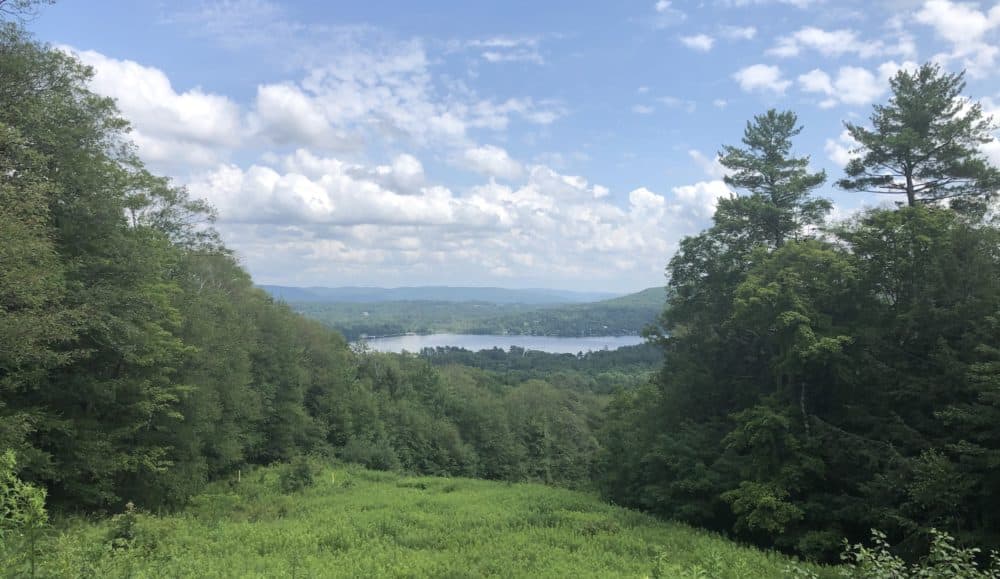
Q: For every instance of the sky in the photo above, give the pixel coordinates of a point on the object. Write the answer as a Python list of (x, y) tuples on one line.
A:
[(519, 143)]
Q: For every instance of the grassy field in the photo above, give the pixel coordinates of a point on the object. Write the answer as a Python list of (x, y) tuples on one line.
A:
[(357, 523)]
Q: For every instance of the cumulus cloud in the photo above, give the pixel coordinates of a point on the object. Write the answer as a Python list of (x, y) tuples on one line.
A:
[(852, 86), (284, 114), (168, 126), (762, 78), (491, 161), (385, 94), (699, 42), (702, 197), (835, 43), (308, 218), (840, 150), (966, 28)]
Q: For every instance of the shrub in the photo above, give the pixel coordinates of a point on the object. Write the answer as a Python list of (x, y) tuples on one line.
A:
[(944, 561), (22, 517), (373, 454), (296, 476), (122, 535)]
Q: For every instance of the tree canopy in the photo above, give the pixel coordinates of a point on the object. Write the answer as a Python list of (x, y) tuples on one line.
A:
[(822, 381)]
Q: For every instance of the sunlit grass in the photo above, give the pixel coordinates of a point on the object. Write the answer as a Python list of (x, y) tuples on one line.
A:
[(358, 523)]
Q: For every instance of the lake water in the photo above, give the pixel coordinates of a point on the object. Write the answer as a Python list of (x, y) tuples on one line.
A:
[(476, 342)]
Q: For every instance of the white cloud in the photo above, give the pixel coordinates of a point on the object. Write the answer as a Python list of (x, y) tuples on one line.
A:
[(337, 196), (840, 150), (169, 126), (386, 95), (666, 14), (491, 161), (966, 28), (702, 197), (738, 32), (284, 114), (958, 22), (720, 103), (827, 43), (643, 109), (711, 166), (858, 86), (406, 172), (852, 86), (762, 78), (816, 81), (317, 220), (700, 42), (836, 43), (992, 151)]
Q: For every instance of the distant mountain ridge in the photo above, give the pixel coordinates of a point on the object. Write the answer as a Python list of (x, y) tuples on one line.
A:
[(495, 295), (619, 316)]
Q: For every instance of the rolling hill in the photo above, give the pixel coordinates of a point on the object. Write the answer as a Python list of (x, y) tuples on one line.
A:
[(494, 295), (622, 315)]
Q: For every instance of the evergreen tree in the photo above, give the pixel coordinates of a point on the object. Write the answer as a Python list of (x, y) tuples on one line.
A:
[(925, 143), (779, 185)]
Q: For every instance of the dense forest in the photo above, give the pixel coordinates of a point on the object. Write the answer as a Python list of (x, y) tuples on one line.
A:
[(823, 379), (807, 380), (598, 371), (621, 316)]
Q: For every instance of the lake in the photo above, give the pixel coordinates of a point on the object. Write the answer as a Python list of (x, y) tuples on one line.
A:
[(476, 342)]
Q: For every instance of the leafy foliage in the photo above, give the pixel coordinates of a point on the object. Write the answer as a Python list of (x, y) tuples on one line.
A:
[(22, 518)]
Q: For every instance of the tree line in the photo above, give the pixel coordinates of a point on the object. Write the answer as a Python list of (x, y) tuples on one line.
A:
[(626, 315), (824, 379)]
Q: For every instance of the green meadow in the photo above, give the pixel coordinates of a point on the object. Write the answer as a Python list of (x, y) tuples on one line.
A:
[(352, 522)]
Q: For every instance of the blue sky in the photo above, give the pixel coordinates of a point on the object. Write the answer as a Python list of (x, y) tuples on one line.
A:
[(520, 144)]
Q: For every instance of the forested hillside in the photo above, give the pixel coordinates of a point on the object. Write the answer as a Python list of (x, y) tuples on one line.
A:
[(625, 315), (372, 295)]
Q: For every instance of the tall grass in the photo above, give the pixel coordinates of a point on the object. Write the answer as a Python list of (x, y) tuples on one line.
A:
[(352, 522)]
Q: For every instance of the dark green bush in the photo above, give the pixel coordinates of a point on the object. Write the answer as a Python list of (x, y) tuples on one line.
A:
[(374, 454), (296, 476)]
